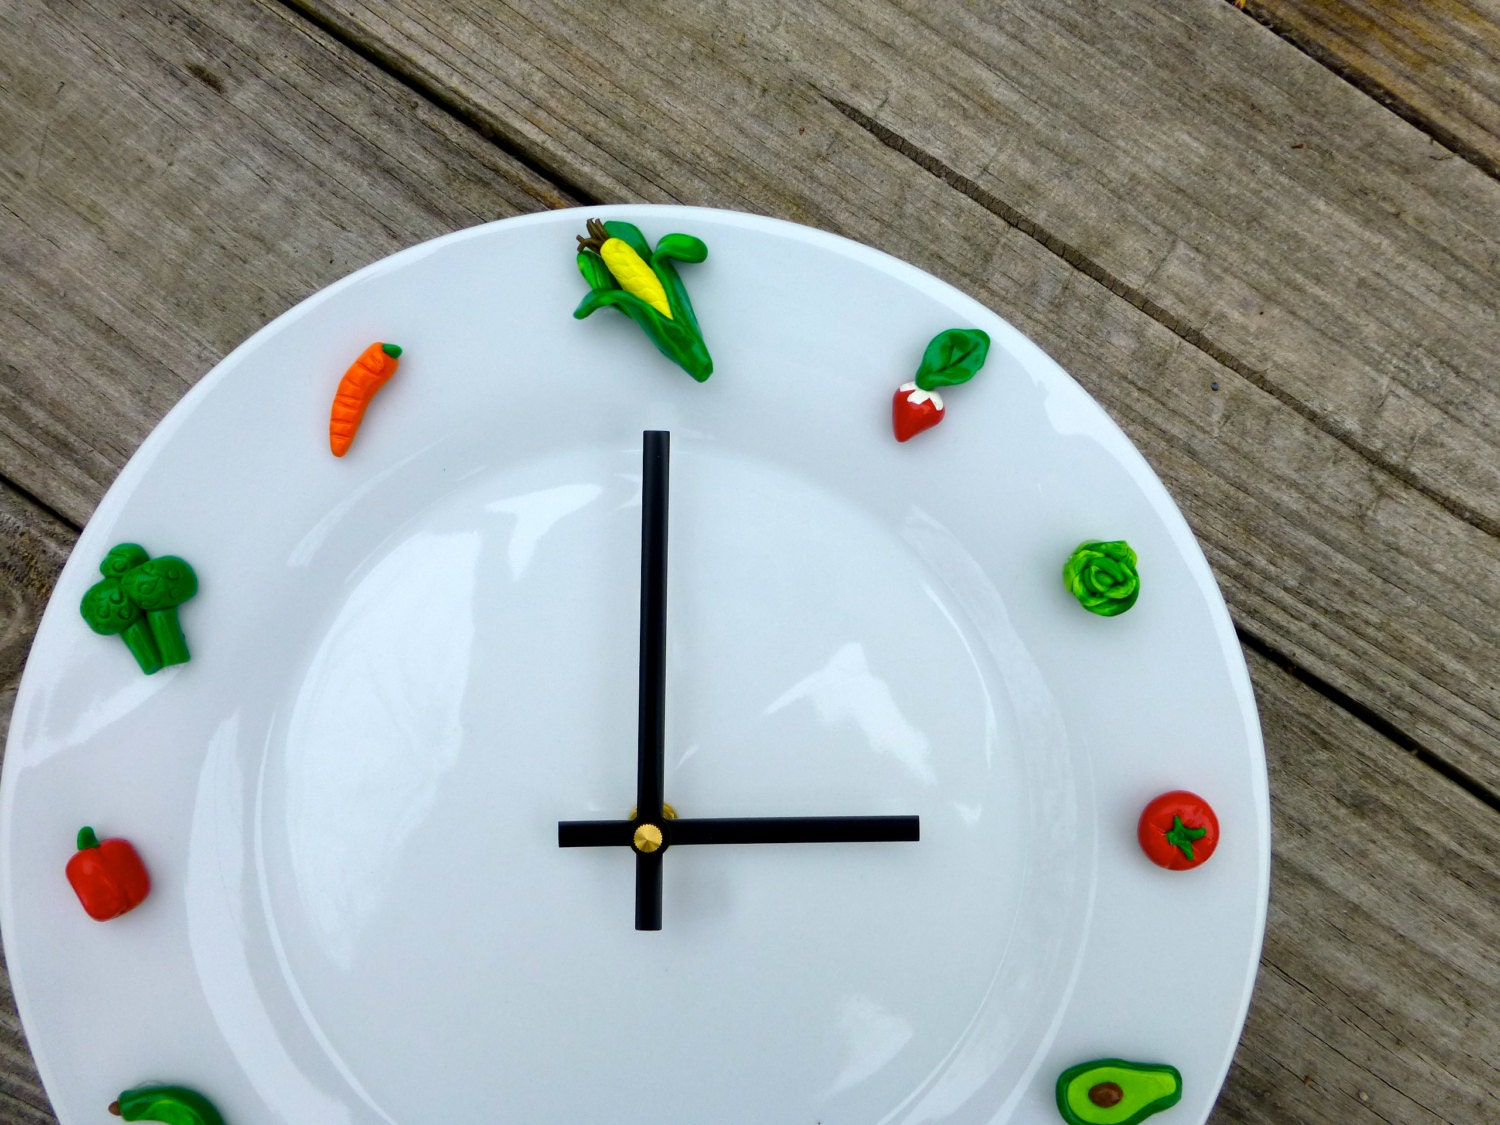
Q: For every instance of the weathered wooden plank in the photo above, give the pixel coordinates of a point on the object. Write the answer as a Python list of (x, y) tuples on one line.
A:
[(1183, 154), (1332, 1032), (1239, 411), (1266, 210), (1326, 553), (173, 178), (33, 547), (1436, 63), (1377, 998), (23, 1101)]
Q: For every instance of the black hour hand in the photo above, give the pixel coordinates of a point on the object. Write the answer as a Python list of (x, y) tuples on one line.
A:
[(653, 837)]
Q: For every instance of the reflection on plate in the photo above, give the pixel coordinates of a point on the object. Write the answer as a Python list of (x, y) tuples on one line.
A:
[(411, 663)]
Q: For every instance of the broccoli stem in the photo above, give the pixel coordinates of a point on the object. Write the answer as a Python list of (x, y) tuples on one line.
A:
[(138, 640), (168, 635)]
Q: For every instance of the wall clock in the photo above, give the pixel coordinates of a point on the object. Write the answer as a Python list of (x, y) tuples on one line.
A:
[(411, 663)]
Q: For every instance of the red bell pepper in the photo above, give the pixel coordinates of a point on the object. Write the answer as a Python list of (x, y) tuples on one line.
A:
[(108, 876)]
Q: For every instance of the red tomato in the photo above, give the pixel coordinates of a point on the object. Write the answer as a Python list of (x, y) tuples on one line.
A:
[(1178, 830), (108, 877)]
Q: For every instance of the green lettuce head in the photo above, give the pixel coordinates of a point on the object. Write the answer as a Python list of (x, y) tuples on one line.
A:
[(1102, 577)]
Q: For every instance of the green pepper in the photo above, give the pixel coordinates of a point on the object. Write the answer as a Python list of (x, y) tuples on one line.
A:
[(171, 1105)]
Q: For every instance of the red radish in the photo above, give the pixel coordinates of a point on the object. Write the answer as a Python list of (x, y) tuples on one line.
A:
[(914, 410), (952, 357)]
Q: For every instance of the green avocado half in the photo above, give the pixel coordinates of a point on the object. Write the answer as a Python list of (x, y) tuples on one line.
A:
[(1116, 1092)]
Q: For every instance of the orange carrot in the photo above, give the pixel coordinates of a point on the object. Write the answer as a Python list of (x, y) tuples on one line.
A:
[(358, 386)]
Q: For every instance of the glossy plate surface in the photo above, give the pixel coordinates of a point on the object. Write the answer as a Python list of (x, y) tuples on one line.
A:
[(411, 663)]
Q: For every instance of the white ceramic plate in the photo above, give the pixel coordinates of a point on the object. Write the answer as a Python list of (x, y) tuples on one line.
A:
[(411, 663)]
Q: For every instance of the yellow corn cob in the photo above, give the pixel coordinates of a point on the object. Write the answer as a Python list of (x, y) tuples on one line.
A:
[(634, 275)]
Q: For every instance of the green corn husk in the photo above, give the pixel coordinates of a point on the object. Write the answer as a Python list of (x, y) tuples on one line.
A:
[(677, 337)]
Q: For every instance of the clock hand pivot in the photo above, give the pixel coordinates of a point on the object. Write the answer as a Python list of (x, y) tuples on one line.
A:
[(667, 811), (647, 838)]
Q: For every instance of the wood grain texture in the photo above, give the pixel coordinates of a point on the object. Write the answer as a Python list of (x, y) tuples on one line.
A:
[(1326, 552), (174, 178), (23, 1101), (33, 547), (1436, 63), (1270, 213), (1266, 210), (1377, 999)]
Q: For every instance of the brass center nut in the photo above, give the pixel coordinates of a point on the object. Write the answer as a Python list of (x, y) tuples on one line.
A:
[(666, 810), (647, 838)]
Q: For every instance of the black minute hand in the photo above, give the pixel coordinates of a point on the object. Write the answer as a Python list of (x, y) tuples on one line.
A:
[(651, 721), (652, 703)]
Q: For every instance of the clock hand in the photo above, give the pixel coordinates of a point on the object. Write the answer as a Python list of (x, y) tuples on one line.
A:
[(652, 705), (648, 891), (594, 833), (650, 830), (791, 829), (651, 708), (739, 830)]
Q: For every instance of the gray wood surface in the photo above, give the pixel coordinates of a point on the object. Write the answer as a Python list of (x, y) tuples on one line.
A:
[(1283, 291), (1436, 63), (173, 180), (1377, 995)]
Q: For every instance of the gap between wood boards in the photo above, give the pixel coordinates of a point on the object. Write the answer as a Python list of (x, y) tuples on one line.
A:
[(1168, 320), (1328, 60)]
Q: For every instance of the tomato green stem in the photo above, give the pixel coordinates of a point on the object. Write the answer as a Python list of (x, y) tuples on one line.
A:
[(1181, 837)]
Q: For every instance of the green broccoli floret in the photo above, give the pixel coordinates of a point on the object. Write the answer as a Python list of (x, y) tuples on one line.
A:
[(121, 558), (159, 587), (109, 612)]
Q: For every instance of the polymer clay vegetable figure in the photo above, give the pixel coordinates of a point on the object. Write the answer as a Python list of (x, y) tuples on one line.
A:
[(1178, 830), (110, 612), (159, 586), (107, 876), (623, 272), (172, 1105), (366, 375), (951, 357), (1116, 1092), (1102, 576), (138, 600)]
